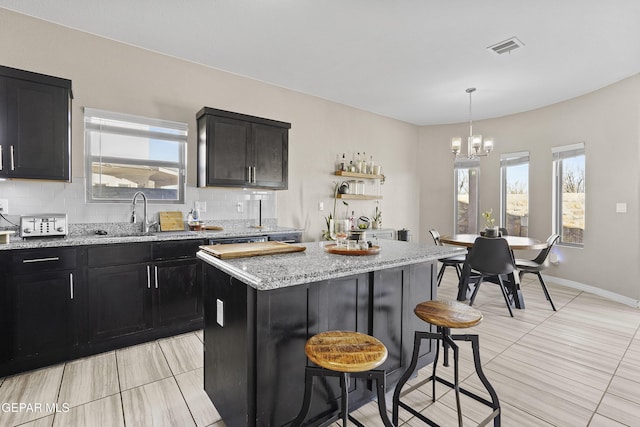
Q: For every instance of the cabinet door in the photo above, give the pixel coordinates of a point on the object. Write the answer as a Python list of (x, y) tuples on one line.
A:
[(178, 289), (4, 145), (119, 301), (45, 313), (7, 332), (271, 145), (38, 139), (227, 151)]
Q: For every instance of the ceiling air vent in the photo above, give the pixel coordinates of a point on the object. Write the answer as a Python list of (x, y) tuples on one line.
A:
[(506, 46)]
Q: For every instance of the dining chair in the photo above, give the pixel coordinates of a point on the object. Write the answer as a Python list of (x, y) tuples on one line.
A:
[(453, 261), (538, 264), (491, 257), (503, 231)]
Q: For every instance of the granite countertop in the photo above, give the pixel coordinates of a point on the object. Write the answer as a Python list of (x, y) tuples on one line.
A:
[(314, 264), (88, 237)]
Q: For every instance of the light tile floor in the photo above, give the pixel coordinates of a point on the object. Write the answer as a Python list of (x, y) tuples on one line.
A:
[(579, 366)]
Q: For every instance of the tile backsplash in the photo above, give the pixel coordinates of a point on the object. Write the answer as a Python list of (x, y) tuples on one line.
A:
[(35, 197)]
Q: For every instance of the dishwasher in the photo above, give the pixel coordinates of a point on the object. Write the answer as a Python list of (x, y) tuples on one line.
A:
[(237, 239)]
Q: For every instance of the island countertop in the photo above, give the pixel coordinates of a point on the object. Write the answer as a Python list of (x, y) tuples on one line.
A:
[(314, 264)]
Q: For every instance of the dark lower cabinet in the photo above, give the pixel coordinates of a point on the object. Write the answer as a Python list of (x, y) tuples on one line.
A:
[(119, 301), (256, 378), (6, 333), (62, 303), (45, 314), (42, 292), (143, 290), (178, 290)]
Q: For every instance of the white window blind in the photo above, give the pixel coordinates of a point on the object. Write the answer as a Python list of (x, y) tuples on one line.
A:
[(126, 153)]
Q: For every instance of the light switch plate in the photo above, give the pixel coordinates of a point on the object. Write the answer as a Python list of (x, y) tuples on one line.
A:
[(621, 208), (220, 312)]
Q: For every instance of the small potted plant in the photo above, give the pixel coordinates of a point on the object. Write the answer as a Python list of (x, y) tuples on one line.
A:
[(376, 220), (491, 230)]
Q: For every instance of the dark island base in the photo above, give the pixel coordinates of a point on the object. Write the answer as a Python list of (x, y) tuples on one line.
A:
[(254, 365)]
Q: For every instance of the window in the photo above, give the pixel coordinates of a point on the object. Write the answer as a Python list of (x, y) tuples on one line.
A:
[(514, 194), (467, 202), (125, 154), (569, 193)]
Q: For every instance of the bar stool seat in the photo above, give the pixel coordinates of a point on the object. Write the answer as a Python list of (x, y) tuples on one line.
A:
[(446, 315), (344, 354)]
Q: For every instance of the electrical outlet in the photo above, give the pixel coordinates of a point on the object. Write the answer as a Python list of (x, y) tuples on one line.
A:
[(240, 207), (320, 206), (4, 206)]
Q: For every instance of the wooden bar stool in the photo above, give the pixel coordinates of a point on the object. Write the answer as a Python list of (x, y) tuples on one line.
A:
[(446, 315), (344, 354)]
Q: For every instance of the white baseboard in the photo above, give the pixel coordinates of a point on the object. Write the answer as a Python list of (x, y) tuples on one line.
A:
[(594, 290)]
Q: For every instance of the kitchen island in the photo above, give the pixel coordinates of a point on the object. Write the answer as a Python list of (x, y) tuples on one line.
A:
[(259, 312)]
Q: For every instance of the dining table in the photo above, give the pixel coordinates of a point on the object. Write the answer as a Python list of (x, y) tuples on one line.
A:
[(513, 282)]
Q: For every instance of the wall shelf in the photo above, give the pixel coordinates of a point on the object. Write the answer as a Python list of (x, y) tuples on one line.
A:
[(358, 175), (358, 197)]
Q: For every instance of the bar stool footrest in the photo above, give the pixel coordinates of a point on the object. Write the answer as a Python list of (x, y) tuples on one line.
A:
[(313, 371)]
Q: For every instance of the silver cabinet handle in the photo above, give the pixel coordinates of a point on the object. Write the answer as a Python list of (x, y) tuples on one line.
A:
[(27, 261), (148, 277), (254, 174), (156, 273), (71, 284), (1, 158), (249, 172), (13, 164)]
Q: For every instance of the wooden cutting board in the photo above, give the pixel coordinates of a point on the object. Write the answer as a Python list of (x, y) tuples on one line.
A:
[(213, 227), (239, 250), (171, 221)]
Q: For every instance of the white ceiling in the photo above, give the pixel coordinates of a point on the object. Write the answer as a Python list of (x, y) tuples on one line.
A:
[(407, 59)]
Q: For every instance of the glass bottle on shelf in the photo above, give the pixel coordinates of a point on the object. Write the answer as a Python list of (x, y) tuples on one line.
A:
[(352, 220)]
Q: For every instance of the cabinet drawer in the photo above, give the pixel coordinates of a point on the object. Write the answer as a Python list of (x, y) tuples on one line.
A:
[(176, 249), (34, 260), (118, 254)]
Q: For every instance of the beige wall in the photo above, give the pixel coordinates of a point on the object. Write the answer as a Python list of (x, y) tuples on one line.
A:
[(608, 122), (418, 193), (113, 76)]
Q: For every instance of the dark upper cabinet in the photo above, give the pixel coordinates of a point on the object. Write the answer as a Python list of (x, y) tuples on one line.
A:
[(35, 126), (237, 150)]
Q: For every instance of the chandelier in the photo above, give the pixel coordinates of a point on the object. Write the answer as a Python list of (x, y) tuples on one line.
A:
[(476, 146)]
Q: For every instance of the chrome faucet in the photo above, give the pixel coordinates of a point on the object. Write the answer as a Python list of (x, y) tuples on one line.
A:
[(146, 224)]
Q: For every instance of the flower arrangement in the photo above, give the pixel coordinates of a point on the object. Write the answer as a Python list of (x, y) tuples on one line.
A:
[(489, 221), (326, 234)]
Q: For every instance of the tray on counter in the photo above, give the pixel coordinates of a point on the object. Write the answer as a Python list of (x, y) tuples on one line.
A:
[(334, 249), (239, 250)]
